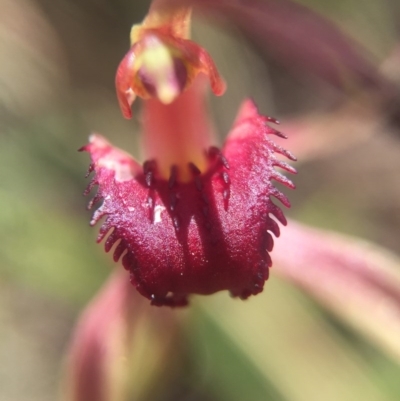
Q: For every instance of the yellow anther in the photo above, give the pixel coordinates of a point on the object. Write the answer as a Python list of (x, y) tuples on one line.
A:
[(157, 70)]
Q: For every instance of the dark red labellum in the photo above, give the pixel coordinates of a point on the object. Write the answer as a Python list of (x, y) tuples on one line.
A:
[(210, 234)]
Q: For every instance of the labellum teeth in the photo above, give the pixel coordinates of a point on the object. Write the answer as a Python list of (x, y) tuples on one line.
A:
[(209, 234)]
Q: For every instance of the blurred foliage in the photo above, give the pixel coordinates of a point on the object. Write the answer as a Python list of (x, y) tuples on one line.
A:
[(56, 86)]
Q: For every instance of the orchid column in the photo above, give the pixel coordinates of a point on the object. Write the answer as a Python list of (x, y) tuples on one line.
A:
[(193, 218)]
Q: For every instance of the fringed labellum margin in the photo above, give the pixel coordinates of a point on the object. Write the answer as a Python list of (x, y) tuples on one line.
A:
[(209, 234)]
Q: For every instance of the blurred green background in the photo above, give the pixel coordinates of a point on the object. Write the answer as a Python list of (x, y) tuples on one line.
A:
[(58, 60)]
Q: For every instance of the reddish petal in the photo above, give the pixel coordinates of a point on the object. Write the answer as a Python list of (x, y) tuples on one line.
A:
[(210, 234), (297, 36), (93, 347), (115, 325), (355, 279)]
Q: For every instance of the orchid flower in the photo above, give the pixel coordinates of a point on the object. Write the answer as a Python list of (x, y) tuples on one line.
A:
[(194, 218)]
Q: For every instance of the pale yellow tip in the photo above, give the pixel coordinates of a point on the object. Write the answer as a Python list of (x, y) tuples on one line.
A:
[(167, 93)]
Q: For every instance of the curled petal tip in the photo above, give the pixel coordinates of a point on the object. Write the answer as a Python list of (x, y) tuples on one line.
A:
[(218, 86), (123, 82)]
